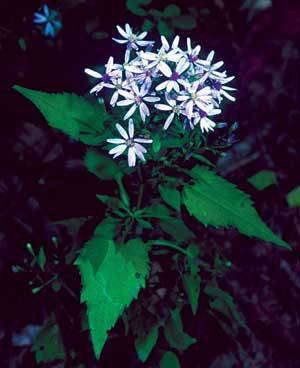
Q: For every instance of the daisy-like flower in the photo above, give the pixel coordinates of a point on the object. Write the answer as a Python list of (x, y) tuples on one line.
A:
[(118, 84), (192, 54), (174, 77), (111, 71), (219, 90), (136, 98), (211, 68), (201, 117), (132, 40), (173, 108), (196, 95), (49, 19), (166, 53), (128, 141)]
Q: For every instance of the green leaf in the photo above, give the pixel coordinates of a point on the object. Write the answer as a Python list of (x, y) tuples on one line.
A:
[(145, 343), (263, 179), (22, 43), (169, 360), (112, 288), (48, 344), (171, 11), (135, 6), (101, 165), (217, 202), (41, 258), (191, 284), (107, 228), (155, 211), (171, 196), (69, 113), (293, 197), (185, 21), (177, 228), (174, 334), (147, 25)]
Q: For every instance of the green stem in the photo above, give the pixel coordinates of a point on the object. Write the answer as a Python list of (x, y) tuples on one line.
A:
[(169, 245)]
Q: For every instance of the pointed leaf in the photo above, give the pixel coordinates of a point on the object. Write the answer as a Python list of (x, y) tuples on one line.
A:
[(171, 196), (101, 165), (293, 197), (70, 113), (144, 344), (169, 360), (263, 179), (191, 284), (217, 202)]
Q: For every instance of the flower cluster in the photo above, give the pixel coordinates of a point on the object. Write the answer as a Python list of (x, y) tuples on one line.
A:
[(48, 20), (172, 80)]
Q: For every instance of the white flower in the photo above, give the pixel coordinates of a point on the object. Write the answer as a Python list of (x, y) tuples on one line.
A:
[(118, 84), (201, 117), (192, 54), (128, 141), (219, 90), (174, 77), (196, 95), (165, 43), (111, 71), (211, 69), (172, 107), (133, 40), (136, 98)]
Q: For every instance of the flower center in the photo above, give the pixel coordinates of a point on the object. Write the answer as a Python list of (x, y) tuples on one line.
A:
[(138, 99), (217, 85), (105, 78), (194, 96), (202, 114), (174, 76), (193, 58), (176, 109), (130, 142)]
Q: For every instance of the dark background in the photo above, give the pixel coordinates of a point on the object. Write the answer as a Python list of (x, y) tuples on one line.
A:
[(42, 178)]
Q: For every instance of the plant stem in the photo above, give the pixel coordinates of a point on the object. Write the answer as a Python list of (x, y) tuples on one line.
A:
[(169, 245)]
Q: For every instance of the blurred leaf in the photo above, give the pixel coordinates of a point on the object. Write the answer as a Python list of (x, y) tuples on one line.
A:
[(99, 35), (165, 29), (48, 344), (185, 22), (171, 196), (135, 6), (217, 202), (169, 360), (191, 284), (174, 334), (171, 11), (70, 113), (101, 165), (145, 343), (22, 43), (155, 211), (293, 197), (263, 179), (177, 228), (147, 25)]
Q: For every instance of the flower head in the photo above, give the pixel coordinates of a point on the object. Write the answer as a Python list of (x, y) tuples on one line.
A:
[(128, 142), (49, 21)]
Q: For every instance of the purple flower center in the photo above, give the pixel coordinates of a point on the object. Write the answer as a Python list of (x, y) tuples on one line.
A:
[(202, 114), (217, 85), (174, 76), (201, 86), (105, 78), (193, 58)]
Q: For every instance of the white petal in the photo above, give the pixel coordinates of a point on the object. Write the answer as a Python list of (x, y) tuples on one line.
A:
[(122, 131), (131, 157), (130, 128), (210, 56), (109, 64), (149, 56), (140, 148), (182, 66), (142, 36), (169, 120), (135, 88), (189, 46), (116, 140), (217, 65), (189, 108), (182, 98), (165, 43), (130, 112), (133, 69), (144, 89), (92, 73), (119, 41), (125, 102), (126, 94), (165, 69), (151, 99), (118, 149), (122, 32), (128, 29), (163, 107), (114, 98), (46, 10), (144, 111), (170, 86), (162, 85), (227, 95), (140, 155), (97, 88), (143, 140), (144, 43), (175, 43)]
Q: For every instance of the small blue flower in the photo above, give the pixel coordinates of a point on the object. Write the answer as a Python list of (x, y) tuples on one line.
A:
[(49, 20)]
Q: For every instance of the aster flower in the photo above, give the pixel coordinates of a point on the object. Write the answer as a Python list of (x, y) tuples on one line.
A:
[(196, 95), (211, 68), (136, 98), (111, 71), (128, 141), (173, 108), (219, 90), (205, 123), (192, 54), (174, 77), (49, 19)]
